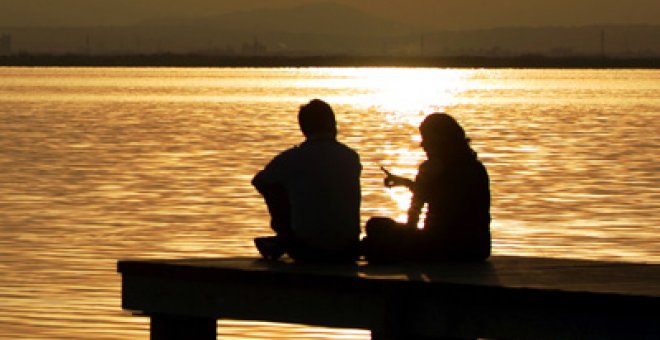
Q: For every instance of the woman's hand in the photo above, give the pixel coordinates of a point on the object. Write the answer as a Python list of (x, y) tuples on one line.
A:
[(394, 180)]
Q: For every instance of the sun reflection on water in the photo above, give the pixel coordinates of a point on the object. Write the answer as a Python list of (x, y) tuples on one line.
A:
[(102, 164), (403, 92)]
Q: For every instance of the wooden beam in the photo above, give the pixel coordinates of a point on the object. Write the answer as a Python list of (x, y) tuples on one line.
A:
[(506, 297)]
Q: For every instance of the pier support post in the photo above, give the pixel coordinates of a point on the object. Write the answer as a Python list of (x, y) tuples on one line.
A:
[(176, 327)]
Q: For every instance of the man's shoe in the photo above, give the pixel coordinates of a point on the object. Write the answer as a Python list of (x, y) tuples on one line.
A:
[(269, 247)]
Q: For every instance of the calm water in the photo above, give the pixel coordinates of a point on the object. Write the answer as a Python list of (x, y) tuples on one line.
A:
[(102, 164)]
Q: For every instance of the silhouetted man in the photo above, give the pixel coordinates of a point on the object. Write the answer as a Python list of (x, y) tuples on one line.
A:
[(313, 193)]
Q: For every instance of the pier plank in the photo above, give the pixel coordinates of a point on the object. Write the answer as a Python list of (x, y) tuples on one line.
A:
[(505, 297)]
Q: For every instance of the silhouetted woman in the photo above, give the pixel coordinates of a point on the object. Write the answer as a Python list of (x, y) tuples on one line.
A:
[(455, 185)]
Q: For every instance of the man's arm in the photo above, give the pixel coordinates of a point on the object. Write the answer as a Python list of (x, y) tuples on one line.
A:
[(259, 181), (274, 173)]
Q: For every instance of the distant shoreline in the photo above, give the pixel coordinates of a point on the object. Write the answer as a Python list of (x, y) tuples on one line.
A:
[(199, 60)]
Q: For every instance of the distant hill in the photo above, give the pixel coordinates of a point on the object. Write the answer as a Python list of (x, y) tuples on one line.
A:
[(323, 28), (612, 40), (319, 27), (436, 14)]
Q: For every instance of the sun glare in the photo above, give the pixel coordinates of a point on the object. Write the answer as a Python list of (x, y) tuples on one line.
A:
[(407, 93), (413, 90)]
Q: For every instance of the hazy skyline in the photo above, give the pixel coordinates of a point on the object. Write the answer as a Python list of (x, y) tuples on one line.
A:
[(313, 27), (432, 14)]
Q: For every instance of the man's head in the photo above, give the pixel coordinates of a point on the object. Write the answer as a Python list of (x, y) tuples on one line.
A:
[(316, 118)]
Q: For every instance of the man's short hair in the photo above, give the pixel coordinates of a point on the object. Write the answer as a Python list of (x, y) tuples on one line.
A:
[(317, 117)]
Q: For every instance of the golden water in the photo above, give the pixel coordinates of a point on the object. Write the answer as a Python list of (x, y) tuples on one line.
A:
[(100, 164)]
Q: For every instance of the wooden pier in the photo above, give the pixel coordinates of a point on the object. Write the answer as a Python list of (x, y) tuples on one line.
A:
[(503, 298)]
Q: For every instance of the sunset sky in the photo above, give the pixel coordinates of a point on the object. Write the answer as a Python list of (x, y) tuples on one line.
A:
[(436, 14)]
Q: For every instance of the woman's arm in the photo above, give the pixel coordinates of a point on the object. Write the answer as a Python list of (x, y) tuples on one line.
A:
[(414, 211), (417, 202), (420, 192), (395, 181)]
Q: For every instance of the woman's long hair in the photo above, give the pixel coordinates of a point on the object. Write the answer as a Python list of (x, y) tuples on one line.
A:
[(444, 138)]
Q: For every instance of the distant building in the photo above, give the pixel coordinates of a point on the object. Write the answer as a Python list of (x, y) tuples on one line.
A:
[(255, 48), (5, 44)]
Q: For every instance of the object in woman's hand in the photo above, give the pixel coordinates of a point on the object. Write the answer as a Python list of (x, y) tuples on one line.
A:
[(392, 180)]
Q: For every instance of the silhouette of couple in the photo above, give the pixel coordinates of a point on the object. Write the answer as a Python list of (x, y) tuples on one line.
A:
[(312, 192)]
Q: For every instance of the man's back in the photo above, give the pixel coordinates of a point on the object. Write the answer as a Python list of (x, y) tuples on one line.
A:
[(322, 180), (313, 193)]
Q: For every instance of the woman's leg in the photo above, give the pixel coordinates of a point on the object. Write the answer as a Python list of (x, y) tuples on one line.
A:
[(385, 240)]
